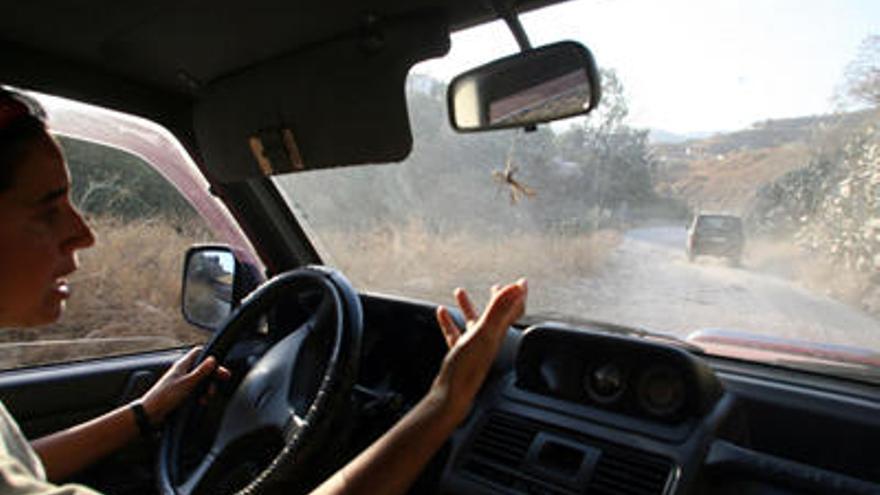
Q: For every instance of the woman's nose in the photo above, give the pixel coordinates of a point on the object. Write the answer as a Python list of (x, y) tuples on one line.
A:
[(81, 235)]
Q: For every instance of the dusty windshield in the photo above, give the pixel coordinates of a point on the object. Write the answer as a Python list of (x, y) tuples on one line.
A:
[(741, 109)]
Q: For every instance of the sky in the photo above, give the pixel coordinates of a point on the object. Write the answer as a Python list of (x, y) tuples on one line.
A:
[(697, 65)]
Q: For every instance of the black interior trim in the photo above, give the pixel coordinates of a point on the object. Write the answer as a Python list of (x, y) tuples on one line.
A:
[(738, 462), (32, 69), (276, 234)]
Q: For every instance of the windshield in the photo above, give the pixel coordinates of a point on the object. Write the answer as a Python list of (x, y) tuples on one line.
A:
[(764, 111)]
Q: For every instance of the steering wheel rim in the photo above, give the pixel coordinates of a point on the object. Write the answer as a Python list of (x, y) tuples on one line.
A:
[(298, 431)]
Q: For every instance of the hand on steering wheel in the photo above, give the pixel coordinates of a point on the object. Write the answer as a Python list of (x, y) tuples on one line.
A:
[(271, 396)]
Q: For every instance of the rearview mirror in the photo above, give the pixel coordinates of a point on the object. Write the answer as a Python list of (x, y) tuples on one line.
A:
[(208, 281), (539, 85)]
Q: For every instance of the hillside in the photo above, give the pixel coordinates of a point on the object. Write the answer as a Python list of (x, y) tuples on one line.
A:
[(723, 171)]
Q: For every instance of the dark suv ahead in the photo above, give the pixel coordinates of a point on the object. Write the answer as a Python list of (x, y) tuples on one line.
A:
[(718, 235)]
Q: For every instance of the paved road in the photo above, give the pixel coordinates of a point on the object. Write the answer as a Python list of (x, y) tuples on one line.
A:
[(648, 281)]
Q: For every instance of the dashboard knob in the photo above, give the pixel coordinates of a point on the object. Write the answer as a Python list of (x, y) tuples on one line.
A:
[(605, 383), (661, 391)]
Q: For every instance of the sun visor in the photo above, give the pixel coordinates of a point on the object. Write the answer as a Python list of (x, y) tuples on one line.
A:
[(333, 104)]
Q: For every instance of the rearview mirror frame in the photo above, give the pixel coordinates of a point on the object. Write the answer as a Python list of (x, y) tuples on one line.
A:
[(513, 91)]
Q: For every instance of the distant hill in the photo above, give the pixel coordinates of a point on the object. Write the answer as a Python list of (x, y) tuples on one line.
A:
[(723, 171), (659, 136)]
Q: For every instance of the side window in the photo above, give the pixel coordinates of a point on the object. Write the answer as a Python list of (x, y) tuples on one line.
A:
[(126, 292)]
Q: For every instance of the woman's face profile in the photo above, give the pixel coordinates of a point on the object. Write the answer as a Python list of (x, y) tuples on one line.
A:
[(40, 232)]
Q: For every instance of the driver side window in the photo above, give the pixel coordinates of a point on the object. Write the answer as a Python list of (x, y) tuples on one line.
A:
[(126, 292)]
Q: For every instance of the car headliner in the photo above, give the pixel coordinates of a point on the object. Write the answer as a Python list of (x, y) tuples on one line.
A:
[(174, 61)]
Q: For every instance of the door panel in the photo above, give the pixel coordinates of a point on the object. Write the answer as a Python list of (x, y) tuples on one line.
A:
[(50, 398)]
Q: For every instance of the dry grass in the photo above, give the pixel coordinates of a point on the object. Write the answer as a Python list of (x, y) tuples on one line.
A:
[(416, 262), (728, 182), (126, 294), (129, 283)]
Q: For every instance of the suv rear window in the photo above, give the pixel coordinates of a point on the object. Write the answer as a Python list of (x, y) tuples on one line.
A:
[(719, 222)]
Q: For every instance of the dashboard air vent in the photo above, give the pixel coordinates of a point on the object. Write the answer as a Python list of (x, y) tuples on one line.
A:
[(499, 450), (504, 439), (622, 471), (499, 453)]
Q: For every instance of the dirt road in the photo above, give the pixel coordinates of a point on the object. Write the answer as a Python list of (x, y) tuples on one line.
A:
[(649, 282)]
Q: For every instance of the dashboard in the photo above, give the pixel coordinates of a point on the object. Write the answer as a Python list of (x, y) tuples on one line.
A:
[(587, 412), (579, 410), (585, 409), (635, 379)]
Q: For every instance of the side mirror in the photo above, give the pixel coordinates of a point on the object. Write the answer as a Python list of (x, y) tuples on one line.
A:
[(538, 85), (207, 296)]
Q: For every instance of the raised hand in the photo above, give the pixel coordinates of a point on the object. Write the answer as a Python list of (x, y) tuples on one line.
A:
[(472, 349)]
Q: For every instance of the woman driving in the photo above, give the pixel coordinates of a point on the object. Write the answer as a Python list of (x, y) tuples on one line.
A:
[(40, 234)]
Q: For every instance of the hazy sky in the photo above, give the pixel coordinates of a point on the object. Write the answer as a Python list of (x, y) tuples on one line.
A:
[(698, 65)]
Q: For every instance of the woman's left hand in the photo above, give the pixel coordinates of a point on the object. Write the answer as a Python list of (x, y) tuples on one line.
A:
[(178, 383), (472, 350)]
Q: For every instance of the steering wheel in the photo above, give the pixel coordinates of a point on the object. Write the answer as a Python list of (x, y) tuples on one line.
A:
[(275, 397)]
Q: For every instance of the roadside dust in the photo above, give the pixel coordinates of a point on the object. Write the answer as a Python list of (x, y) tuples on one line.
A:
[(647, 281), (784, 259)]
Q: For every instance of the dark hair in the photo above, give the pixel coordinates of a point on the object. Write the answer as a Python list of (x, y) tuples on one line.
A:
[(22, 121)]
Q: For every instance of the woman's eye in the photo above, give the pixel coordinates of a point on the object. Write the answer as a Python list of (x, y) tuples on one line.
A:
[(49, 214)]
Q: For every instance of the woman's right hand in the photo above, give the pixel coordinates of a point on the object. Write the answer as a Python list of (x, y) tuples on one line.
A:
[(472, 350), (178, 383)]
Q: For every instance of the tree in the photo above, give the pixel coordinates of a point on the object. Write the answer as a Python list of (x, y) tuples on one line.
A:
[(597, 167), (862, 77), (111, 182), (615, 160)]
